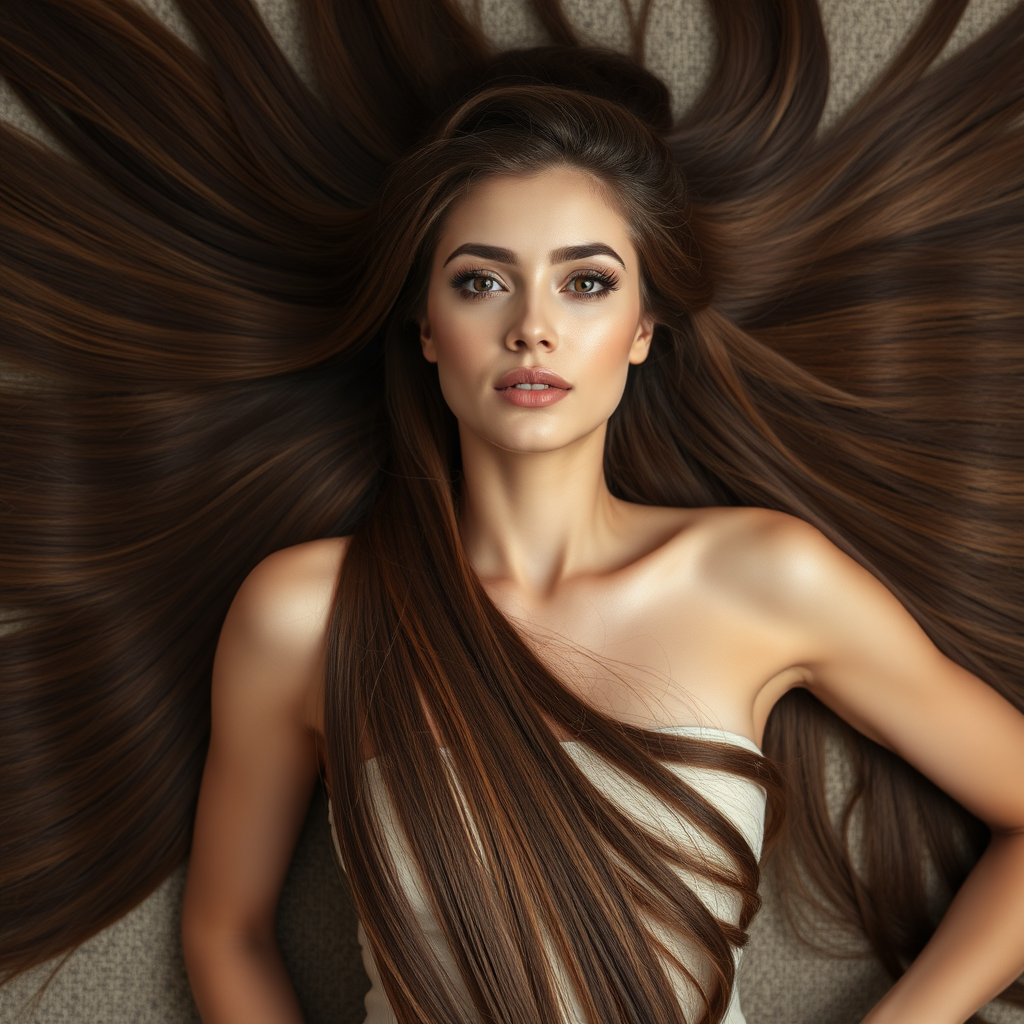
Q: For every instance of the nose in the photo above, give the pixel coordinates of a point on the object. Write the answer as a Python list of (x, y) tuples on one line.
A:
[(532, 327)]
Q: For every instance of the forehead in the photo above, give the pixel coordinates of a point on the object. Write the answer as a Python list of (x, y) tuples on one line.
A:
[(536, 214)]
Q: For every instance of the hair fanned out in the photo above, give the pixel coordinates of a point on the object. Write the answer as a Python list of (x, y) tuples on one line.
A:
[(205, 358)]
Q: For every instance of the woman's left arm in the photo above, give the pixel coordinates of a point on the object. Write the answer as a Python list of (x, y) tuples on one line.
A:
[(871, 663)]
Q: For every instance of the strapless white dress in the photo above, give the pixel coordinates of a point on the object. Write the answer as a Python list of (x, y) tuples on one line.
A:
[(741, 801)]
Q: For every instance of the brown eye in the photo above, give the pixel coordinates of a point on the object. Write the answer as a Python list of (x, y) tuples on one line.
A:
[(476, 284), (591, 284)]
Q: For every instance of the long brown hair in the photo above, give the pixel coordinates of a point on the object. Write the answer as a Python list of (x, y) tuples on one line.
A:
[(198, 371), (575, 871)]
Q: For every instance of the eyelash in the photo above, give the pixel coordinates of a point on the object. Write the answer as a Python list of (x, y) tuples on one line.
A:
[(607, 280)]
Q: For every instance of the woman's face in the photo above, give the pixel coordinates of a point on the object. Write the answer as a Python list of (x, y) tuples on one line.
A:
[(533, 310)]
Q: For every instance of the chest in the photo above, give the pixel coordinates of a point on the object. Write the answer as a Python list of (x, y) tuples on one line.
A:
[(652, 649)]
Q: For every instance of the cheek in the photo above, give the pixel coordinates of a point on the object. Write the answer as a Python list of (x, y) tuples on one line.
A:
[(605, 345), (462, 363), (459, 377), (457, 344), (608, 379)]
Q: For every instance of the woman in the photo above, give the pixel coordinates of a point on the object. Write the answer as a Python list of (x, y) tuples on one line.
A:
[(713, 416), (552, 245)]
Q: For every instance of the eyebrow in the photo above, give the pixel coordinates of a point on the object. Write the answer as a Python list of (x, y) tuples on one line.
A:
[(564, 255)]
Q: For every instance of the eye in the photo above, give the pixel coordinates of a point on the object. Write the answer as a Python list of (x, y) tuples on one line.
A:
[(475, 284), (589, 284)]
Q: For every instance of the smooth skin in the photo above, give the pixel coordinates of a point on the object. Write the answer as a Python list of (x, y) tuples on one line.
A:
[(713, 613)]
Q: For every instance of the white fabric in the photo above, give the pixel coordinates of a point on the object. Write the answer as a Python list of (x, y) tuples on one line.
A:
[(742, 802)]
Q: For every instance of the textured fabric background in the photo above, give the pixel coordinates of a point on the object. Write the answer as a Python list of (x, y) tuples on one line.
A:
[(133, 972)]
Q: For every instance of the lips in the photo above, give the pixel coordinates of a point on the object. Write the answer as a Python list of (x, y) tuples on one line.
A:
[(531, 375)]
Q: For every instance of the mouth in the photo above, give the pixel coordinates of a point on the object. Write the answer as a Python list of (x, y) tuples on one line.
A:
[(531, 378)]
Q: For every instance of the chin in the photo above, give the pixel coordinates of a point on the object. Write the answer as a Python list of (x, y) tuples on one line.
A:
[(536, 440)]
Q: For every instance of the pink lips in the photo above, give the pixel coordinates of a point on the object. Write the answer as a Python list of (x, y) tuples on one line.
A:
[(557, 388), (532, 375)]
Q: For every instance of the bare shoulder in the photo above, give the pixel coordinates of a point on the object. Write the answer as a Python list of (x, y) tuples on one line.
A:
[(745, 556), (264, 750), (824, 616), (768, 558), (274, 635), (788, 573), (290, 592)]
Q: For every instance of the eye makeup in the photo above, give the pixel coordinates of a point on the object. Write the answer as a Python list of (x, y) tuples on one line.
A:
[(464, 277), (608, 281)]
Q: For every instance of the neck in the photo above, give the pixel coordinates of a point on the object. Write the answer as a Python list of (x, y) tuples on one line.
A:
[(533, 520)]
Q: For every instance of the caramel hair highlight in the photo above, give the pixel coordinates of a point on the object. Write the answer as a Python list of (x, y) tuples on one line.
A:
[(204, 352)]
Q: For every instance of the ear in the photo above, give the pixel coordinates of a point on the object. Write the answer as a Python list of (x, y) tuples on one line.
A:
[(427, 341), (641, 345)]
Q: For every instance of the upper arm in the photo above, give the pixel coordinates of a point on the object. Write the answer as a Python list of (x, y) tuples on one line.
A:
[(867, 658), (263, 759)]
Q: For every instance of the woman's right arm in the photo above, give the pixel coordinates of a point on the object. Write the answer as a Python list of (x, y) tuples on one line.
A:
[(260, 771)]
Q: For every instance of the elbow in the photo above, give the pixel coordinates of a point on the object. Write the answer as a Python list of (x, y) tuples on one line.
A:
[(1012, 833), (210, 942), (203, 941), (198, 928), (200, 943)]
